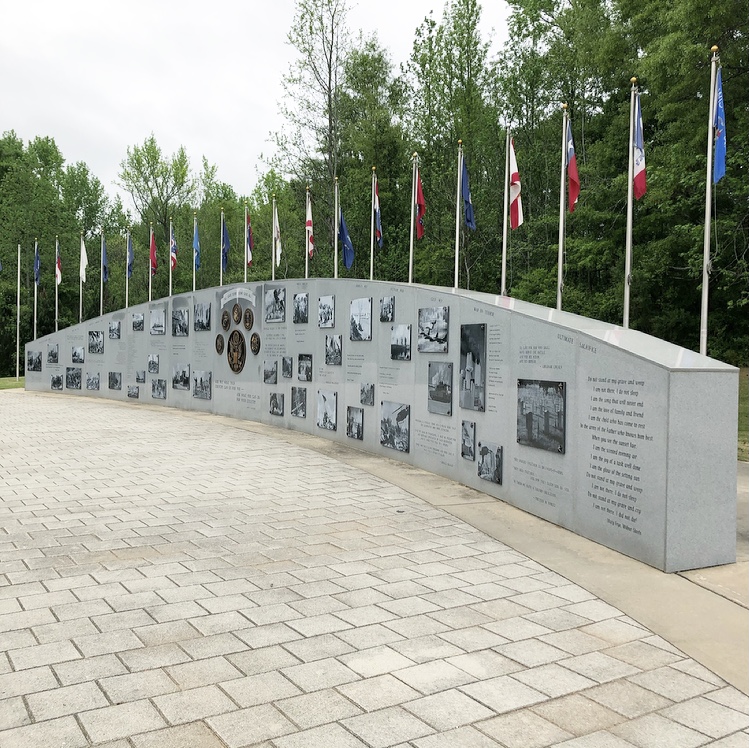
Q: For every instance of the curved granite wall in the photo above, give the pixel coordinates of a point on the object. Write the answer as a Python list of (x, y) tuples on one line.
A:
[(615, 435)]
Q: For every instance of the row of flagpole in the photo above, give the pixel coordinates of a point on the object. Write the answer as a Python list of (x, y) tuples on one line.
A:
[(636, 188)]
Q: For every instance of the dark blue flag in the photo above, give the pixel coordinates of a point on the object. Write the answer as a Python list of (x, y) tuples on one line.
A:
[(719, 123), (130, 257), (196, 244), (470, 219), (348, 247), (225, 246), (104, 263), (37, 264)]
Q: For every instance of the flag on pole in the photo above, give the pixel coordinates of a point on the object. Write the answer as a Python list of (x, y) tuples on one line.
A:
[(516, 202), (172, 247), (572, 176), (104, 262), (225, 243), (58, 263), (309, 234), (421, 207), (196, 244), (37, 264), (639, 180), (378, 215), (249, 242), (84, 260), (719, 123), (154, 263), (348, 247), (130, 257), (277, 235), (467, 204)]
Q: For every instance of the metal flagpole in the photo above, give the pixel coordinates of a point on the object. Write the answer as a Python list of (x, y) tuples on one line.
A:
[(221, 253), (57, 282), (171, 229), (504, 214), (415, 159), (335, 229), (562, 201), (372, 229), (127, 266), (36, 284), (246, 242), (101, 275), (630, 191), (708, 208), (457, 212), (80, 284), (194, 251), (150, 268), (18, 313), (306, 235), (273, 243)]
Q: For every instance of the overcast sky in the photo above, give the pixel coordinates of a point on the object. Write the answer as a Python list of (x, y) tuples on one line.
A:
[(99, 76)]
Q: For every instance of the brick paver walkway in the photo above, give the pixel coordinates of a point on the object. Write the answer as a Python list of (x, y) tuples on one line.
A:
[(173, 579)]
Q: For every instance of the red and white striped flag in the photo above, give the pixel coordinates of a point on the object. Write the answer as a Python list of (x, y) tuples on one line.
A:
[(516, 203), (309, 233)]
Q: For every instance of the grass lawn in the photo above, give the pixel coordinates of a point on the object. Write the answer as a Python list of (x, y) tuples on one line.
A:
[(10, 383)]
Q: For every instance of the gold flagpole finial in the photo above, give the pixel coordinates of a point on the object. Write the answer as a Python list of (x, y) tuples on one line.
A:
[(564, 106), (714, 49), (374, 168), (633, 80)]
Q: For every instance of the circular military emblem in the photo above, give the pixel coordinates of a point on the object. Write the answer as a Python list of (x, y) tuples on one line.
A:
[(236, 313), (225, 319), (255, 343), (236, 351), (249, 319), (219, 344)]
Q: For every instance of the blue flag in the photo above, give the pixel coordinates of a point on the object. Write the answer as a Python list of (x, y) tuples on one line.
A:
[(1, 266), (104, 263), (225, 245), (130, 257), (196, 245), (37, 264), (348, 247), (719, 123), (470, 219)]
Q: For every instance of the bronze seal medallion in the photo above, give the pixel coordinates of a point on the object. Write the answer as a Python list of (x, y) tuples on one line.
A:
[(236, 351)]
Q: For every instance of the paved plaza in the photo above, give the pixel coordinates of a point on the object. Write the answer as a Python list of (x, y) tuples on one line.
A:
[(177, 580)]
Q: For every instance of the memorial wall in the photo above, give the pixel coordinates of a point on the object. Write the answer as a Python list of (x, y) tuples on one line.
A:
[(610, 433)]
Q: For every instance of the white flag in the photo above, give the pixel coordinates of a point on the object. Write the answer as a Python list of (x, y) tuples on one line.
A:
[(310, 237), (277, 235), (84, 261)]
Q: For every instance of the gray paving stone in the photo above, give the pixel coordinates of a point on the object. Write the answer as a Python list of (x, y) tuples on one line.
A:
[(462, 737), (203, 672), (672, 683), (26, 682), (135, 686), (655, 731), (375, 661), (704, 715), (66, 700), (13, 713), (431, 677), (327, 736), (55, 732), (387, 727), (43, 654), (628, 699), (194, 704), (317, 708), (195, 735), (121, 721), (503, 694), (449, 709), (108, 643), (314, 676), (377, 693), (730, 697), (523, 729), (578, 715), (248, 726), (260, 689)]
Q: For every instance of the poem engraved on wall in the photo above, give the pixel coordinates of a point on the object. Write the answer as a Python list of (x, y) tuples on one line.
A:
[(617, 427)]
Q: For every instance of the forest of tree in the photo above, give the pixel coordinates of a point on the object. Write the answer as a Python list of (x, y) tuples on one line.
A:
[(346, 108)]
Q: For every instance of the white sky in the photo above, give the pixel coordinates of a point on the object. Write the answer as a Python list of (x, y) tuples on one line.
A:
[(99, 76)]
